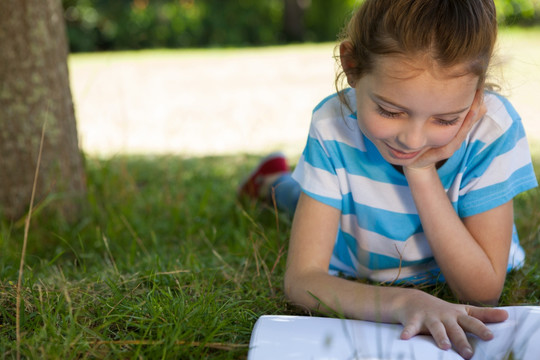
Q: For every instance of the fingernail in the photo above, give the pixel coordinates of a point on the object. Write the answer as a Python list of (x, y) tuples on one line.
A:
[(445, 342), (467, 352)]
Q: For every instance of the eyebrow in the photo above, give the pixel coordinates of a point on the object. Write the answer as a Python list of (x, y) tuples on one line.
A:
[(378, 98)]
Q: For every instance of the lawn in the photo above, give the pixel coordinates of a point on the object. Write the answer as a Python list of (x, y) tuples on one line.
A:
[(165, 262)]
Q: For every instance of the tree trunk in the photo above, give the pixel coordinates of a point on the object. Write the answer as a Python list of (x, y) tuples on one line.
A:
[(34, 89), (293, 23)]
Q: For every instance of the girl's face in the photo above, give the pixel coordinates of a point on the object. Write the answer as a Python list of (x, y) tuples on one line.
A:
[(405, 107)]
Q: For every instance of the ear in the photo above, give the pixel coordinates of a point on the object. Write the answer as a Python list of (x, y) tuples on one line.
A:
[(346, 55)]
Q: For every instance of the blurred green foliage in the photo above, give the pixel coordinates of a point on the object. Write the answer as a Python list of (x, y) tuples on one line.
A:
[(518, 12), (134, 24)]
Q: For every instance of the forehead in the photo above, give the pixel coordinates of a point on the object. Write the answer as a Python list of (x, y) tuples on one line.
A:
[(420, 86), (401, 67)]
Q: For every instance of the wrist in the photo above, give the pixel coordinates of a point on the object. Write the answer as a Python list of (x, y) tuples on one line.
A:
[(402, 300), (414, 172)]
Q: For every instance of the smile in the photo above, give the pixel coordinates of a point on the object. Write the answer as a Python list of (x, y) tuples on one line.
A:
[(397, 154)]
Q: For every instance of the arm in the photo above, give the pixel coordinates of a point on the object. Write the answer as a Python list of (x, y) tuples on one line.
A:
[(472, 253), (313, 234), (308, 284)]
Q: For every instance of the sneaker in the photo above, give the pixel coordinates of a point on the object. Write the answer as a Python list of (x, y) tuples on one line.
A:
[(257, 184)]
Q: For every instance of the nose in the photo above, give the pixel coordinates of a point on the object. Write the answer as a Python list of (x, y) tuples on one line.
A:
[(412, 137)]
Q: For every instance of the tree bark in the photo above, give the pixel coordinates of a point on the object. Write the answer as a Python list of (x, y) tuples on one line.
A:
[(34, 89), (293, 24)]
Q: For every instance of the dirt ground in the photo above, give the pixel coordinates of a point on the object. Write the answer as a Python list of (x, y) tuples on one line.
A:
[(200, 103)]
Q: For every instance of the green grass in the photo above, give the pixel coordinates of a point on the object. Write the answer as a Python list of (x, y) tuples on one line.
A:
[(166, 263)]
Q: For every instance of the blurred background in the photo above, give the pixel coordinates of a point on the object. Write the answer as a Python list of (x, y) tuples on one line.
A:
[(203, 77), (139, 24), (97, 25)]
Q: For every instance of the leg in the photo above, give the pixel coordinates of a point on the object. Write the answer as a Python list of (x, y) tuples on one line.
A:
[(285, 191), (270, 180)]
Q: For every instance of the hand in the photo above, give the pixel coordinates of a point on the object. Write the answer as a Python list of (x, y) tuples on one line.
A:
[(434, 155), (446, 322)]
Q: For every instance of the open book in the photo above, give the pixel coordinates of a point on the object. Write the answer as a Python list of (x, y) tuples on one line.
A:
[(303, 337)]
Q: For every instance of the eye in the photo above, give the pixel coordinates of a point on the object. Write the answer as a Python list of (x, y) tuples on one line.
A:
[(444, 122), (386, 113)]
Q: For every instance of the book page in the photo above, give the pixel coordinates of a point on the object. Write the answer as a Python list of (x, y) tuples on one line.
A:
[(303, 337)]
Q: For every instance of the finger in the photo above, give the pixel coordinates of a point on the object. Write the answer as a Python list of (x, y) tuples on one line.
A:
[(408, 332), (487, 315), (482, 110), (478, 102), (412, 328), (438, 332), (475, 326), (459, 339), (476, 112), (472, 118)]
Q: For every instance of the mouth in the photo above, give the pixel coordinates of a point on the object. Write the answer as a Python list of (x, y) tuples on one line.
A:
[(401, 155)]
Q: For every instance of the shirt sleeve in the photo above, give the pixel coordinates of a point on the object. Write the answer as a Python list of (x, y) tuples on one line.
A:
[(316, 171), (499, 162)]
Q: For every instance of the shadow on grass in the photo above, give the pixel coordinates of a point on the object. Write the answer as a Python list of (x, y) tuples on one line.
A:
[(166, 262)]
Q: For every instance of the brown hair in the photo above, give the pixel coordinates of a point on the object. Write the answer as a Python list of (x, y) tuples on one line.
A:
[(450, 32)]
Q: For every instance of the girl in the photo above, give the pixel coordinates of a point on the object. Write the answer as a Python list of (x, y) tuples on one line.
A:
[(408, 176)]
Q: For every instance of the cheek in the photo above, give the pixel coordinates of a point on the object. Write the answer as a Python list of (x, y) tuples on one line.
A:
[(375, 127), (440, 137)]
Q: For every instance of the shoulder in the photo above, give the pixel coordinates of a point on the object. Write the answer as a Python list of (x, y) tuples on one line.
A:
[(495, 163), (333, 120), (332, 105), (500, 110), (500, 121)]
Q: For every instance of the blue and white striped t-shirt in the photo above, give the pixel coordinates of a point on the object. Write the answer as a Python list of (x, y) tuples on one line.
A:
[(380, 235)]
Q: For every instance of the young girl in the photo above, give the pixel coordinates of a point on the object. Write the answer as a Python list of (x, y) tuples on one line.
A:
[(408, 176)]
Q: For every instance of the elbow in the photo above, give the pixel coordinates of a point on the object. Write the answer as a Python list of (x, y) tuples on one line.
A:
[(486, 289), (297, 290), (289, 285), (481, 300), (482, 296), (310, 290)]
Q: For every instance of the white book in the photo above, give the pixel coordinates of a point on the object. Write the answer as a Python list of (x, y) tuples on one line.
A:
[(318, 338)]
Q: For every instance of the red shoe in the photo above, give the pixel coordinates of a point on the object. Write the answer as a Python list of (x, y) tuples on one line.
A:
[(257, 184)]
